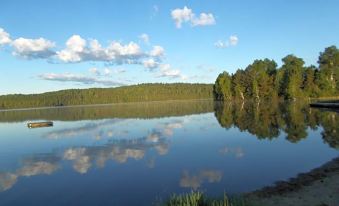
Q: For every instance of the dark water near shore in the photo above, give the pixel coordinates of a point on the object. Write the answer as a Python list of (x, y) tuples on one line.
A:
[(140, 154)]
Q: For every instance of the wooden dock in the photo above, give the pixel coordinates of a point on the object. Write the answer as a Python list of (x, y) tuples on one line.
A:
[(39, 124), (333, 105)]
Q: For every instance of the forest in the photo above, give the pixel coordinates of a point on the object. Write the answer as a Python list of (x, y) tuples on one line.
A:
[(134, 93), (293, 80)]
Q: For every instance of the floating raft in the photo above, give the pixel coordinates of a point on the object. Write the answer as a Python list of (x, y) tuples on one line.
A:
[(325, 105), (39, 124)]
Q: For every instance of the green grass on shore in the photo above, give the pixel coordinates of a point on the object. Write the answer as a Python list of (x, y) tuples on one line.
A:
[(199, 199)]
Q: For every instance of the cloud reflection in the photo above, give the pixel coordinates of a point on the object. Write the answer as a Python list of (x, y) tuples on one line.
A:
[(83, 158), (7, 180), (73, 132), (238, 152), (195, 181), (119, 151), (39, 165)]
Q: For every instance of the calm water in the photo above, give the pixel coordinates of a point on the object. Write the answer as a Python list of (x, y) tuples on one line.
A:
[(139, 154)]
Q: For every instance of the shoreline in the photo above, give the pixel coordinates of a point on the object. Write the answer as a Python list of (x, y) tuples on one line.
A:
[(316, 187), (320, 104), (95, 105)]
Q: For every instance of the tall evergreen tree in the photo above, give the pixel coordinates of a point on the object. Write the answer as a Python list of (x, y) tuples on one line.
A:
[(293, 76), (329, 70), (309, 87), (239, 84), (261, 74), (222, 87)]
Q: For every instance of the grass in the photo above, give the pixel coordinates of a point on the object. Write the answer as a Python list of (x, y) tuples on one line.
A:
[(199, 199)]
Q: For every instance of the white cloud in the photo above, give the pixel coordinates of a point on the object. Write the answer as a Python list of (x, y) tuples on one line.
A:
[(204, 20), (181, 16), (77, 44), (116, 49), (75, 47), (119, 70), (78, 49), (69, 77), (95, 71), (4, 37), (115, 53), (145, 38), (232, 41), (150, 64), (95, 45), (107, 72), (157, 51), (167, 71), (33, 48), (221, 44)]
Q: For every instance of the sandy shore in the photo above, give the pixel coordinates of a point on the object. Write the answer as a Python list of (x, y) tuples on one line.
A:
[(319, 187)]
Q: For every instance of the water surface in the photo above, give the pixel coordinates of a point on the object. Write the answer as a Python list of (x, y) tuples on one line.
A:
[(140, 154)]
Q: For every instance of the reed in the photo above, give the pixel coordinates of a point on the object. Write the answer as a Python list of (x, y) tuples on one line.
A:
[(199, 199)]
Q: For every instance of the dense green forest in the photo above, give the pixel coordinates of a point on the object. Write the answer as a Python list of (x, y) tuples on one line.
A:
[(135, 93), (264, 80)]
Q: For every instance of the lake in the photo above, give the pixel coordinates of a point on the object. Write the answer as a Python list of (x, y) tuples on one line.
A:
[(141, 153)]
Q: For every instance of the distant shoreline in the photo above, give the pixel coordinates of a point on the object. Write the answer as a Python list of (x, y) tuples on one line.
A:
[(136, 102), (101, 96), (95, 105)]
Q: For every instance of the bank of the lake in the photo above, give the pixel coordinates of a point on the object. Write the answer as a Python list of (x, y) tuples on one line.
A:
[(123, 94), (317, 187), (314, 188)]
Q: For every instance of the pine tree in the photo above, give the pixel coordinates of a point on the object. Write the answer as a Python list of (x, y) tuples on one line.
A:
[(222, 87)]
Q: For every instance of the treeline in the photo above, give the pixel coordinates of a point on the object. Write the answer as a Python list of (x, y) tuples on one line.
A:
[(264, 80), (135, 93), (145, 110), (270, 119)]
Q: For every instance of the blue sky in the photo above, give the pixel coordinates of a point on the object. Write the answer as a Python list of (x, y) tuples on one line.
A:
[(81, 44)]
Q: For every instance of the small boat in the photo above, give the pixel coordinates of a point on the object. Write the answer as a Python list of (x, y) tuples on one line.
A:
[(39, 124)]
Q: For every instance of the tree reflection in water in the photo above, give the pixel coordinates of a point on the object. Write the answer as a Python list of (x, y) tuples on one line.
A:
[(267, 120)]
